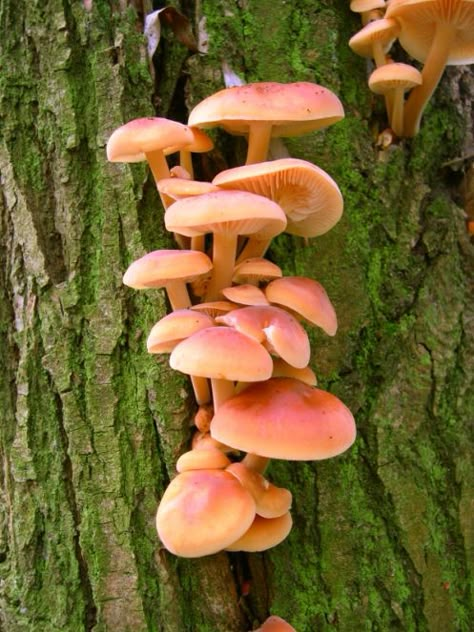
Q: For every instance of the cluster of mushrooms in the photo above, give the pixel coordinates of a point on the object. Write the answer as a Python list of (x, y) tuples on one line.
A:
[(236, 322), (434, 32)]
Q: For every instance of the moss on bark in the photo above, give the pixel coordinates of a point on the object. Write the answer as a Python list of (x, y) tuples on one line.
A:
[(91, 428)]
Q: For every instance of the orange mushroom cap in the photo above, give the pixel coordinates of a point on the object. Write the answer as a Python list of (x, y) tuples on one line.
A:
[(202, 512), (222, 353), (284, 418), (305, 297), (292, 108), (263, 534)]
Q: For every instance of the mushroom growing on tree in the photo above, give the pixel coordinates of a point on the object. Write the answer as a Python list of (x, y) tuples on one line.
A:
[(437, 33), (266, 110)]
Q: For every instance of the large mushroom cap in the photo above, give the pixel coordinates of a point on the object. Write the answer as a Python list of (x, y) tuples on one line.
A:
[(293, 108), (299, 187), (202, 512), (236, 212), (284, 418), (418, 20)]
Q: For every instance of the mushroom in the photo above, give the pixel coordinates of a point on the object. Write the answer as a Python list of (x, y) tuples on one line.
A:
[(265, 110), (305, 192), (173, 328), (245, 294), (284, 418), (263, 534), (148, 139), (276, 328), (394, 80), (210, 459), (202, 512), (270, 501), (305, 297), (201, 144), (275, 624), (375, 39), (369, 9), (170, 269), (224, 355), (255, 271), (438, 33), (226, 214)]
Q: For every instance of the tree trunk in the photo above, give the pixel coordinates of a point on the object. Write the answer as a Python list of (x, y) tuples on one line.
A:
[(92, 426)]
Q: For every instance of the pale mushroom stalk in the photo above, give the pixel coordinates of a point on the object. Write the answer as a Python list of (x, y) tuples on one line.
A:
[(223, 258), (395, 115), (256, 462), (253, 248), (431, 73), (158, 165), (378, 53), (260, 133), (201, 390), (186, 162), (159, 168), (222, 390), (178, 295)]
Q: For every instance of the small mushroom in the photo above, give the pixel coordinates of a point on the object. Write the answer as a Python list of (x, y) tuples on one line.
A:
[(170, 269), (438, 33)]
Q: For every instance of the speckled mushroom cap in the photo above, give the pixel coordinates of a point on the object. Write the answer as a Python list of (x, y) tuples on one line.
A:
[(284, 418), (202, 512), (302, 190), (418, 21), (293, 108)]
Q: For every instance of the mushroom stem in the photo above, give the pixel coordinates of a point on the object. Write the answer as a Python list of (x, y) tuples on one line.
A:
[(378, 53), (158, 165), (260, 133), (201, 390), (256, 462), (395, 116), (223, 259), (253, 248), (431, 73), (222, 390), (178, 295), (186, 161)]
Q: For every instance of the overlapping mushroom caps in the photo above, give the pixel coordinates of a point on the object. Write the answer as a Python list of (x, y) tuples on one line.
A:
[(435, 32), (237, 323)]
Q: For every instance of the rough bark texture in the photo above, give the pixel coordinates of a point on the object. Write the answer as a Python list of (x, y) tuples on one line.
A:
[(91, 426)]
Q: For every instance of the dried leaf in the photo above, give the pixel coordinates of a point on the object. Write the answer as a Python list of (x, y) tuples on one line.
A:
[(178, 23)]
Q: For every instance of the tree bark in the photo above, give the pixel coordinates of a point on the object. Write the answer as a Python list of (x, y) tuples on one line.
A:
[(92, 426)]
